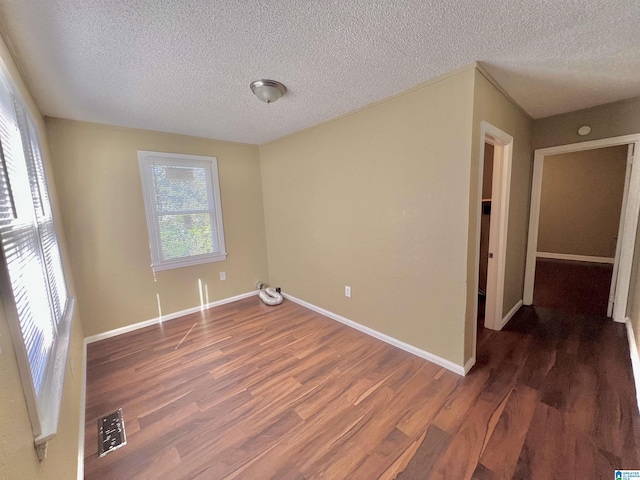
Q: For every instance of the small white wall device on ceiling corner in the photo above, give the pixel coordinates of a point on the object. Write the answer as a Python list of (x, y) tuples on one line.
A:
[(584, 130)]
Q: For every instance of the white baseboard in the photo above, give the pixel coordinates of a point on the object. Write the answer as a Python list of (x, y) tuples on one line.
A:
[(83, 398), (164, 318), (469, 364), (460, 370), (635, 359), (575, 258), (503, 322), (510, 314)]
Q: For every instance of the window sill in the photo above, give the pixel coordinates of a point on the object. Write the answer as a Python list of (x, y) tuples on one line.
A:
[(189, 261), (50, 402)]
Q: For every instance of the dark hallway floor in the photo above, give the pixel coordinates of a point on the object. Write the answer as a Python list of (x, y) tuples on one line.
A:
[(572, 287), (577, 362), (579, 367)]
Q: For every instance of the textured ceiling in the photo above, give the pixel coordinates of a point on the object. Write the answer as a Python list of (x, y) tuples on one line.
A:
[(184, 66)]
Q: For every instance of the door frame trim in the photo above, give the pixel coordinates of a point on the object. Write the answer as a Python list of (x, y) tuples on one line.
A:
[(616, 261), (500, 196), (631, 205)]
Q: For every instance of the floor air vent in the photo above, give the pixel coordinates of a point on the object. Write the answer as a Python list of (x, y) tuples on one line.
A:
[(111, 434)]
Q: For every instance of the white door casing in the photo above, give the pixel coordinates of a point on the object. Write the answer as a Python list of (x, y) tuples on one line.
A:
[(623, 209), (500, 192)]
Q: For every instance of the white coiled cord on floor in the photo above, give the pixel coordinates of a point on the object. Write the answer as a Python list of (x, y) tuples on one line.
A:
[(269, 295)]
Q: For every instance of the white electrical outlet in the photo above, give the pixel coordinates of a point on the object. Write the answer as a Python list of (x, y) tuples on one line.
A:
[(223, 276), (347, 291)]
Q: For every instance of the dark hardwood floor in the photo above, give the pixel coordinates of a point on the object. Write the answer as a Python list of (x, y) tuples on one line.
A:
[(247, 391), (573, 287)]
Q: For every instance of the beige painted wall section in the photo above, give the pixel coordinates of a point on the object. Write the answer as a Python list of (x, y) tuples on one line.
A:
[(490, 105), (610, 120), (98, 179), (581, 200), (378, 200), (18, 458)]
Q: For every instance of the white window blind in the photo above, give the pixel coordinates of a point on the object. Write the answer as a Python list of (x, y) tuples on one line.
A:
[(182, 203), (33, 283)]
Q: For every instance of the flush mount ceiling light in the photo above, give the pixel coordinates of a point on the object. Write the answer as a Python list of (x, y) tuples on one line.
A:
[(268, 90)]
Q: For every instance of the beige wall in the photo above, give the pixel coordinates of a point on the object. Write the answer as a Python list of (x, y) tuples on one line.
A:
[(18, 458), (378, 200), (610, 120), (581, 200), (490, 105), (98, 179)]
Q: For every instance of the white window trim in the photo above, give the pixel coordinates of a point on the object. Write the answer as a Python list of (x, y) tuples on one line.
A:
[(43, 410), (145, 161)]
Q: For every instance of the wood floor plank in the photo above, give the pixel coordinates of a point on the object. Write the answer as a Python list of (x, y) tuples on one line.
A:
[(400, 464), (384, 455), (500, 456), (538, 456), (435, 443), (245, 391), (462, 455)]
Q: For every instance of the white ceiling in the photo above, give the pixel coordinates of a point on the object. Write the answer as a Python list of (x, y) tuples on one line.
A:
[(184, 66)]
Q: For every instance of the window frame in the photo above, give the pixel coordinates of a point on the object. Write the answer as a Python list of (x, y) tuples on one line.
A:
[(146, 161), (43, 405)]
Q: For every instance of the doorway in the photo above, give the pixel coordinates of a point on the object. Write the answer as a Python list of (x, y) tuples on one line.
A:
[(492, 221), (485, 227), (584, 242), (580, 209)]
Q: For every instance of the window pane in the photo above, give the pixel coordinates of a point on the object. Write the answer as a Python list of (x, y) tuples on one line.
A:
[(180, 188), (186, 235), (53, 266), (35, 167), (42, 206), (28, 282), (24, 259)]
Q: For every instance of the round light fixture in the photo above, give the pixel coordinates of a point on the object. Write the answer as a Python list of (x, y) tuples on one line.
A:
[(268, 90), (584, 130)]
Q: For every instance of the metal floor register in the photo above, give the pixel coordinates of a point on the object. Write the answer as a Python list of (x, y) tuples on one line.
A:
[(111, 435)]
